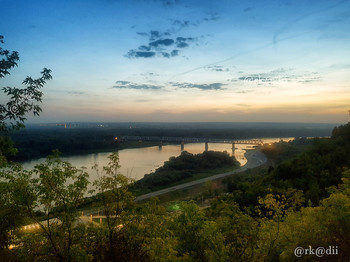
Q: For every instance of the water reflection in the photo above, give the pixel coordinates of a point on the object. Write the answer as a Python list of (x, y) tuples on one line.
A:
[(137, 162)]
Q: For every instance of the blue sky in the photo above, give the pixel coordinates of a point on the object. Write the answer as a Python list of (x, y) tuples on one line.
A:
[(176, 60)]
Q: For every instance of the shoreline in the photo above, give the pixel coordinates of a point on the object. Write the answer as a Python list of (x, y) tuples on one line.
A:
[(254, 158)]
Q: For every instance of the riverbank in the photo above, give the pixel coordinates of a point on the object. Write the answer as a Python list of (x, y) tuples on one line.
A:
[(136, 162), (254, 158), (82, 152)]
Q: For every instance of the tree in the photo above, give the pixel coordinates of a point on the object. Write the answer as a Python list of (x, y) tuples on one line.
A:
[(15, 195), (21, 101), (115, 199), (56, 188), (187, 227), (239, 230)]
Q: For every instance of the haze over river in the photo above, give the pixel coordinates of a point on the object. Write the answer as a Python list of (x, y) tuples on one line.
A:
[(137, 162)]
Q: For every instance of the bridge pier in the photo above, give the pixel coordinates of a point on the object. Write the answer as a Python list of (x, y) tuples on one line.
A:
[(206, 146), (182, 145), (160, 145)]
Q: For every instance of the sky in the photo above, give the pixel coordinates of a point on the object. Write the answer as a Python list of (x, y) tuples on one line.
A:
[(183, 61)]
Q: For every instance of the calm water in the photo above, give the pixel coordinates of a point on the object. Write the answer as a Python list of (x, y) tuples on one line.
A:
[(137, 162)]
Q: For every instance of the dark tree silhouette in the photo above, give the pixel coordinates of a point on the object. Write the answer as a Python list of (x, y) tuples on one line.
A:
[(21, 101)]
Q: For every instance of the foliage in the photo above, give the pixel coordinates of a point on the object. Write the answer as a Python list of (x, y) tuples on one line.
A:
[(281, 151), (147, 232), (264, 219), (6, 149), (117, 201), (322, 226), (312, 171), (21, 101), (54, 187), (9, 61), (15, 195)]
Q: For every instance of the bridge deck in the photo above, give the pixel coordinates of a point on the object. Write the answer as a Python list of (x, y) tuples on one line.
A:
[(192, 140)]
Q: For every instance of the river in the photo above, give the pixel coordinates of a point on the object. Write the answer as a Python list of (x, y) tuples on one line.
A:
[(137, 162)]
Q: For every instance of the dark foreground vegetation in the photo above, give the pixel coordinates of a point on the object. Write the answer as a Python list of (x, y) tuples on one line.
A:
[(183, 167), (302, 202)]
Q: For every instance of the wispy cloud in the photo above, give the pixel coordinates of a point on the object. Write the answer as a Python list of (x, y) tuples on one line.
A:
[(340, 66), (183, 85), (213, 86), (291, 23), (211, 17), (76, 93), (278, 76), (218, 68), (130, 85), (182, 23)]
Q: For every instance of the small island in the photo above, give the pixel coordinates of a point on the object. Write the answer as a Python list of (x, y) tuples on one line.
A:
[(184, 168)]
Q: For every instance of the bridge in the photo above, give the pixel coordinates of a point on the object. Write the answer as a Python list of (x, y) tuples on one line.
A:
[(184, 140)]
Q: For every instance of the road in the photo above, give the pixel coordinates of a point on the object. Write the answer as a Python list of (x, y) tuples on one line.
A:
[(254, 159)]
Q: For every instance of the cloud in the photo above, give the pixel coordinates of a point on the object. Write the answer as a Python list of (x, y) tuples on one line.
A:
[(171, 54), (122, 82), (76, 93), (217, 68), (213, 86), (129, 85), (183, 85), (138, 54), (211, 17), (182, 42), (144, 48), (182, 24), (309, 79), (340, 66), (175, 52), (160, 44), (154, 34), (153, 74), (248, 9), (142, 33), (170, 2), (278, 76), (165, 54)]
